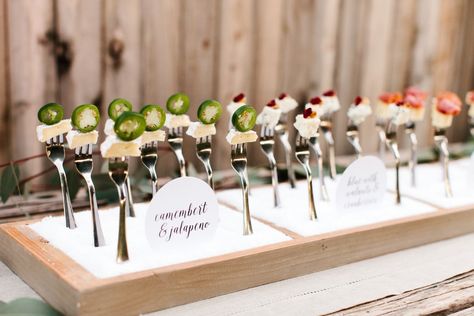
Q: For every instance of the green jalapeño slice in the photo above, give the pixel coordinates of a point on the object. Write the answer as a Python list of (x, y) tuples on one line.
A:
[(85, 117), (209, 112), (244, 118), (178, 104), (129, 126), (50, 113), (117, 107), (154, 115)]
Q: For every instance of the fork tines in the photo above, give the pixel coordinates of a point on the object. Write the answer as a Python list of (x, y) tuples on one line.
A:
[(239, 149), (267, 132), (56, 140), (206, 139), (84, 150), (176, 132)]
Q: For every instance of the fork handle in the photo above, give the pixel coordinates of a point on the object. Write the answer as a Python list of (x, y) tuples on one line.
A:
[(413, 156), (382, 142), (396, 154), (289, 166), (319, 158), (122, 249), (99, 240), (154, 180), (312, 208), (68, 212), (245, 192), (130, 211), (443, 146), (274, 171), (332, 153), (210, 180)]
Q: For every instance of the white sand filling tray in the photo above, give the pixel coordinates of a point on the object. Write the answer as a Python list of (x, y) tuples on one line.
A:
[(77, 279)]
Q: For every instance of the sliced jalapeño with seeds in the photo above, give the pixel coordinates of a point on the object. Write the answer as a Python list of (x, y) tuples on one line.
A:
[(244, 118), (117, 107), (85, 117), (51, 113), (129, 126), (209, 112), (178, 104), (155, 117)]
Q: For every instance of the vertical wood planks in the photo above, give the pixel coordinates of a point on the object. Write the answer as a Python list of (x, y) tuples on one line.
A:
[(79, 48), (375, 52), (32, 74), (122, 76), (234, 65), (4, 126), (162, 54)]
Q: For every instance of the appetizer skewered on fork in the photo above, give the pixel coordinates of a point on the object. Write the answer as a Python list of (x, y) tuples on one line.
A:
[(399, 115), (307, 125), (286, 104), (268, 119), (330, 106), (176, 121), (208, 113), (85, 119), (445, 106), (128, 127), (383, 114), (358, 111), (316, 106), (414, 100), (243, 121), (155, 118), (51, 132), (116, 108)]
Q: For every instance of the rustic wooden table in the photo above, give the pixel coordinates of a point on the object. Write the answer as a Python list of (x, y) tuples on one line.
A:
[(433, 279)]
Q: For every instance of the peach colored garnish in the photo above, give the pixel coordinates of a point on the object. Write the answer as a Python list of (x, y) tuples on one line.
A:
[(391, 97)]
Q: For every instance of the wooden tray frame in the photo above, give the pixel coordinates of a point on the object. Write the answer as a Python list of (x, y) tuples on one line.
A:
[(74, 291)]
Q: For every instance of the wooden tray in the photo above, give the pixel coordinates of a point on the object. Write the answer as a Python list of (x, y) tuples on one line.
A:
[(74, 291)]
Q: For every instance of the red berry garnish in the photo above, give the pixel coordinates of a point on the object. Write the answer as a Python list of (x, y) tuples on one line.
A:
[(282, 96), (239, 97), (271, 103), (400, 103), (357, 100), (316, 100), (329, 93), (307, 112)]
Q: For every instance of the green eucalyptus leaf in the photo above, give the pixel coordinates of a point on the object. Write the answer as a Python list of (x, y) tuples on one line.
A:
[(8, 182), (27, 306)]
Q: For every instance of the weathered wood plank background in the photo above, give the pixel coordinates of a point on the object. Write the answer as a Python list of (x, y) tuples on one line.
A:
[(78, 51)]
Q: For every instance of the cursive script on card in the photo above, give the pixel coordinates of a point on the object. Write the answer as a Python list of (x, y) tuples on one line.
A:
[(177, 221), (362, 184)]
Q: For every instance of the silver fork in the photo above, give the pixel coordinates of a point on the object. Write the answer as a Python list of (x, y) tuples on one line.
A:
[(203, 152), (118, 172), (175, 139), (282, 132), (149, 156), (410, 131), (239, 164), (302, 155), (352, 134), (266, 143), (314, 142), (441, 142), (326, 127), (380, 126), (55, 153), (391, 139), (84, 165)]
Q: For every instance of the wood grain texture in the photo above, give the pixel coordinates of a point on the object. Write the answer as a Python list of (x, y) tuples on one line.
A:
[(79, 50), (4, 100), (32, 74), (235, 65), (454, 296), (70, 289)]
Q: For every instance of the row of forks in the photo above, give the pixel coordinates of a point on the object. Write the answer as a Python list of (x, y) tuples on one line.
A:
[(55, 151)]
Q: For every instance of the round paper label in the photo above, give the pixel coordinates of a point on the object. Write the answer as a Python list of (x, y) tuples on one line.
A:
[(182, 214), (362, 184)]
